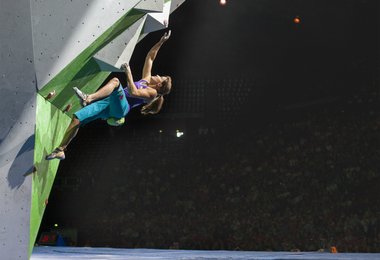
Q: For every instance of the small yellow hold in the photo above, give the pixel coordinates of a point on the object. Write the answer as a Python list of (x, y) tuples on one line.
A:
[(115, 122)]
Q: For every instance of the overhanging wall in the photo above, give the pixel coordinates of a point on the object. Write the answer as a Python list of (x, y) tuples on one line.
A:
[(54, 45)]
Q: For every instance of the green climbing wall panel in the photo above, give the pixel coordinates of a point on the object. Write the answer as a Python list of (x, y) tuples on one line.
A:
[(52, 120)]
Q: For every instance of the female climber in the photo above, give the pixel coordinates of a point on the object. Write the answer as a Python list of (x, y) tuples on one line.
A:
[(113, 102)]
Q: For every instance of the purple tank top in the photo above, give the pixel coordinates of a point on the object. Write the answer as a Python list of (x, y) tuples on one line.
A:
[(134, 101)]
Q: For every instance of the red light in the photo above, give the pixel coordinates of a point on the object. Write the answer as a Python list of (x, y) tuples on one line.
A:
[(48, 238), (45, 239)]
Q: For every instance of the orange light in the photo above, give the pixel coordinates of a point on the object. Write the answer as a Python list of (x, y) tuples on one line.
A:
[(297, 20)]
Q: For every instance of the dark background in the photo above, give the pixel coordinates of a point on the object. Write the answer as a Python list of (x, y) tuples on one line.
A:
[(281, 136)]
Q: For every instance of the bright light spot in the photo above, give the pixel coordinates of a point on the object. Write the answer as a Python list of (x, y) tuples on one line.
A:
[(297, 20), (179, 133), (160, 131), (55, 225), (223, 2)]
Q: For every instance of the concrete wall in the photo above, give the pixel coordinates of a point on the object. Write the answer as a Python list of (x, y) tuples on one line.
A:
[(76, 23), (17, 118)]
